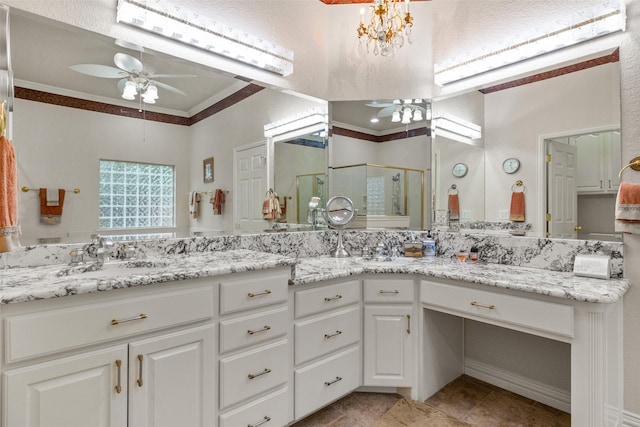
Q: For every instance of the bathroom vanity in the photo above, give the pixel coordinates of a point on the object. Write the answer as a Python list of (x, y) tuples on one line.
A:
[(234, 338)]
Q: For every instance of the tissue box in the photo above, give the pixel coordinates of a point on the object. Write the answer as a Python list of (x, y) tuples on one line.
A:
[(598, 266), (413, 249)]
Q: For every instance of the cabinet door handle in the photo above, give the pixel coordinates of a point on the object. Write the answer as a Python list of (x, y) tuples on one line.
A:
[(130, 319), (601, 184), (328, 383), (118, 376), (262, 421), (333, 335), (266, 292), (266, 328), (252, 376), (327, 299), (139, 380), (409, 324), (389, 292), (475, 304)]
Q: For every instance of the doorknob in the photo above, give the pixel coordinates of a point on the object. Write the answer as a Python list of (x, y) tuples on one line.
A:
[(577, 228)]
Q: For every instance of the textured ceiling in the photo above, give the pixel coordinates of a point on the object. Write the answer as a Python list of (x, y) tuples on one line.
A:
[(354, 1)]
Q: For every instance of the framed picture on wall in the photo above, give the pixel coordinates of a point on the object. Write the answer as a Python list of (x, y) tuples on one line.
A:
[(207, 170)]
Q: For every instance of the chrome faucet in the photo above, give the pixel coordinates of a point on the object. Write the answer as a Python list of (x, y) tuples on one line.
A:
[(102, 247)]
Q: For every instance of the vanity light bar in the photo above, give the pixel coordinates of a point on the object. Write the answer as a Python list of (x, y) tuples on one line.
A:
[(586, 25), (177, 23), (455, 128), (312, 118)]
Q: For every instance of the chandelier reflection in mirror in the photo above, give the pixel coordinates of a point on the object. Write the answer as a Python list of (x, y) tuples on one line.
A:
[(386, 26)]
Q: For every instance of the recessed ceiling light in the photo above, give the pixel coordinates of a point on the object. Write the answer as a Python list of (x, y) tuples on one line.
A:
[(375, 120)]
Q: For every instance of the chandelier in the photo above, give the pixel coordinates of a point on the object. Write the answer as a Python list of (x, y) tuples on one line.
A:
[(386, 26)]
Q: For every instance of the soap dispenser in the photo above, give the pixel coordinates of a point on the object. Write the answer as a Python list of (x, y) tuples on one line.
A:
[(429, 245)]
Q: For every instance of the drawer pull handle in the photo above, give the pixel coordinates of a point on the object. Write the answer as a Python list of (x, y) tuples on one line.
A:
[(130, 319), (266, 328), (409, 324), (266, 292), (264, 420), (332, 298), (333, 335), (475, 304), (328, 383), (252, 376), (389, 292), (118, 376), (139, 380)]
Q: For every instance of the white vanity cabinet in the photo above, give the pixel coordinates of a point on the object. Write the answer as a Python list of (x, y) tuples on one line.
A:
[(599, 162), (389, 332), (127, 357), (327, 352), (254, 344)]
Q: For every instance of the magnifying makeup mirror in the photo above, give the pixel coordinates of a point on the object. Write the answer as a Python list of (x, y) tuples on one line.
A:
[(339, 213)]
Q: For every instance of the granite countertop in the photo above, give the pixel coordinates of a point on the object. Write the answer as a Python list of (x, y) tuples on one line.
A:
[(544, 282), (50, 281), (33, 283)]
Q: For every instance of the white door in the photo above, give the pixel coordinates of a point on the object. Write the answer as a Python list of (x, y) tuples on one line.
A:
[(250, 186), (562, 196), (77, 391), (172, 380), (388, 346)]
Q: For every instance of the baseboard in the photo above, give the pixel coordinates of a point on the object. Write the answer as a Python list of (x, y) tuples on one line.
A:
[(629, 419), (516, 383)]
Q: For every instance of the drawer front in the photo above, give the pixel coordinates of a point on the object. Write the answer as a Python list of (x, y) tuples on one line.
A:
[(388, 291), (328, 297), (35, 334), (253, 372), (323, 335), (535, 314), (269, 411), (245, 294), (249, 330), (322, 382)]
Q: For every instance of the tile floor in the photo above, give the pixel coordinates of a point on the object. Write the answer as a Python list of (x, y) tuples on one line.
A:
[(466, 399)]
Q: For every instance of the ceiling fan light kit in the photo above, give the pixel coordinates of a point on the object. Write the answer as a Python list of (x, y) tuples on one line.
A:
[(180, 24), (404, 111)]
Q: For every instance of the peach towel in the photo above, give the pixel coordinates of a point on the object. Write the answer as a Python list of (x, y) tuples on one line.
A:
[(9, 231), (217, 200), (628, 208), (516, 211), (454, 207), (51, 214)]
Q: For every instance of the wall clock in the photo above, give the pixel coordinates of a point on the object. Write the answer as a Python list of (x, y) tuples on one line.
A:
[(511, 165), (459, 170)]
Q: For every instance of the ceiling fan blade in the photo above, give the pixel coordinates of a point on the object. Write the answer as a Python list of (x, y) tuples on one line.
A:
[(97, 70), (386, 111), (127, 63), (167, 87), (170, 76), (379, 104)]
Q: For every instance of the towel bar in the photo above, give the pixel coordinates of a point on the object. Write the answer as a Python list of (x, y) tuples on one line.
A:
[(25, 189), (633, 164)]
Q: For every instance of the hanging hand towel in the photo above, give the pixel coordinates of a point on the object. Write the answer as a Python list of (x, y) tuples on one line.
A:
[(266, 208), (454, 207), (194, 199), (9, 231), (51, 215), (628, 208), (516, 211), (217, 200)]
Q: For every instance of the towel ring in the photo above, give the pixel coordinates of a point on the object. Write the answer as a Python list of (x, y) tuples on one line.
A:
[(519, 184), (633, 164), (452, 189)]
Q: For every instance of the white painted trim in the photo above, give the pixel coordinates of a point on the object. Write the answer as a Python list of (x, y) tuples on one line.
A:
[(629, 419), (516, 383)]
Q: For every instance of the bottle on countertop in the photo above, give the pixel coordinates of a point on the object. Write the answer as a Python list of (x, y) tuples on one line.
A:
[(429, 245), (473, 254)]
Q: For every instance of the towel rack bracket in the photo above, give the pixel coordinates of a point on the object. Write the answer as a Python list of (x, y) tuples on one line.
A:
[(635, 163)]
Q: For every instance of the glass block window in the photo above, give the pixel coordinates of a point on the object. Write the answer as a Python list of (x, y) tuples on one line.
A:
[(136, 195)]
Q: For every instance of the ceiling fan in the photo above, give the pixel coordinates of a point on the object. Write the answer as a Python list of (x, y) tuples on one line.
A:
[(401, 110), (134, 79)]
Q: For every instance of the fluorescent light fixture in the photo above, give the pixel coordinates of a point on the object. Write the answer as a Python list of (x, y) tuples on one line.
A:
[(177, 23), (304, 123), (604, 19), (455, 128)]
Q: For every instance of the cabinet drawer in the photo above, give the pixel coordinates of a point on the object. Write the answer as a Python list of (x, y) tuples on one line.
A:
[(244, 294), (249, 330), (496, 307), (270, 410), (253, 372), (39, 333), (322, 335), (388, 290), (323, 298), (323, 382)]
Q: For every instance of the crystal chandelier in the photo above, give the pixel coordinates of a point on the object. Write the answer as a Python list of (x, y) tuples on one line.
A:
[(386, 26)]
